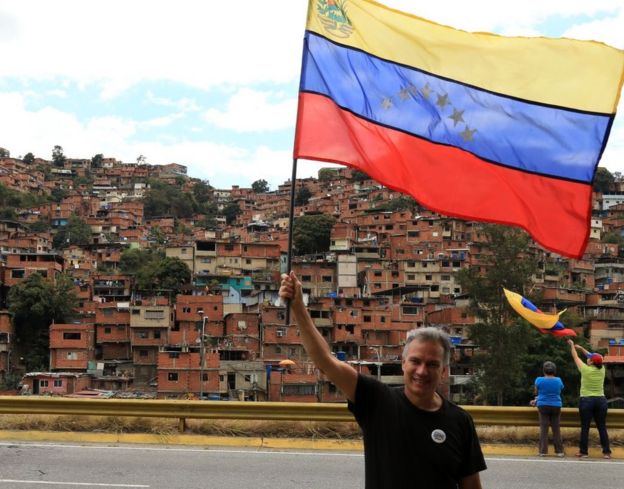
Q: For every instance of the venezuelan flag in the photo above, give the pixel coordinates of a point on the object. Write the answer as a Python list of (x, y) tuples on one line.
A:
[(473, 125)]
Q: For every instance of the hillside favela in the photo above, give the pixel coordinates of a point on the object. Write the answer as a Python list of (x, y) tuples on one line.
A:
[(132, 280)]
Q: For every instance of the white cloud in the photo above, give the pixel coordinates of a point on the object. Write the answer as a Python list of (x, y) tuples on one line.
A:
[(161, 121), (57, 93), (39, 131), (235, 46), (254, 111), (183, 104), (202, 44), (607, 30)]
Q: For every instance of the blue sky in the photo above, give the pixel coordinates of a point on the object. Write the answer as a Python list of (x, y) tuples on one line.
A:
[(211, 85)]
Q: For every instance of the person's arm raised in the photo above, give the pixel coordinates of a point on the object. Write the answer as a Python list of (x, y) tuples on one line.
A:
[(579, 363), (340, 373)]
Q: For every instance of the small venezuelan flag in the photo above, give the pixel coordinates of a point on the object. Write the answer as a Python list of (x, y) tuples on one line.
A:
[(477, 126)]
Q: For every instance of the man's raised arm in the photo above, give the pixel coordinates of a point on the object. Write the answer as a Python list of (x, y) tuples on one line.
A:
[(341, 374)]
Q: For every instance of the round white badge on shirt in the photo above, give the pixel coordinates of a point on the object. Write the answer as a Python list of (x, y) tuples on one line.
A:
[(438, 436)]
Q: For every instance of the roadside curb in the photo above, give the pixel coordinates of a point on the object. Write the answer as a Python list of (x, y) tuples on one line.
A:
[(256, 442)]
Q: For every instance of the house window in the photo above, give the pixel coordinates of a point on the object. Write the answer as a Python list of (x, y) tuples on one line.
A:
[(107, 330), (155, 314), (248, 261), (247, 378), (174, 354), (142, 334), (367, 319), (142, 353), (204, 377), (43, 383), (410, 310), (71, 336), (156, 334), (58, 383), (172, 376), (299, 389), (72, 355), (17, 273), (306, 278)]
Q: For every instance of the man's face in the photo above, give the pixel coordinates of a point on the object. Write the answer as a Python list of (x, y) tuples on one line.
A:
[(423, 368)]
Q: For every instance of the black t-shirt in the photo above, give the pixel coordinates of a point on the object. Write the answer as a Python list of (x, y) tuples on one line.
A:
[(406, 447)]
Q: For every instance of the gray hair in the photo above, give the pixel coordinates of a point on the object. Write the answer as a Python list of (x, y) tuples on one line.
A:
[(429, 334), (549, 368)]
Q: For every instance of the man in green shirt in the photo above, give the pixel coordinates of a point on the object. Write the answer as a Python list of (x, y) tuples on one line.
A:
[(593, 403)]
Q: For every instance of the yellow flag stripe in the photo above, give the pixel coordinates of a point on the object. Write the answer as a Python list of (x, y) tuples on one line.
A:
[(538, 319), (581, 75)]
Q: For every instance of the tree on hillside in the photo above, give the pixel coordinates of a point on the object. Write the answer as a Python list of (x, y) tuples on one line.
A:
[(34, 304), (502, 337), (325, 174), (400, 203), (163, 199), (75, 232), (260, 186), (4, 153), (96, 160), (311, 234), (141, 160), (231, 211), (359, 176), (134, 259), (58, 157), (603, 180), (153, 271), (202, 191), (302, 197), (58, 194), (39, 226), (173, 274), (29, 158)]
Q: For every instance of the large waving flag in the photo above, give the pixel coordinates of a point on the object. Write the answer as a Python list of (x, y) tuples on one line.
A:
[(472, 125)]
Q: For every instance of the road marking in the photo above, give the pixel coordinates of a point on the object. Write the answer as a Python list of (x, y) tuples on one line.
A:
[(555, 460), (89, 484), (202, 450)]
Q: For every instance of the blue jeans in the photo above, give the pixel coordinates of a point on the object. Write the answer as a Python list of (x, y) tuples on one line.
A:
[(594, 407)]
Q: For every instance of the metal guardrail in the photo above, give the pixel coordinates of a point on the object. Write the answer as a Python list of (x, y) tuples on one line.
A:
[(275, 411)]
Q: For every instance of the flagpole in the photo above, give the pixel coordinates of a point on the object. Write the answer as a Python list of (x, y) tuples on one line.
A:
[(291, 215)]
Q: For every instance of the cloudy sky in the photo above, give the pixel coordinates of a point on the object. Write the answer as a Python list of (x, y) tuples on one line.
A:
[(211, 85)]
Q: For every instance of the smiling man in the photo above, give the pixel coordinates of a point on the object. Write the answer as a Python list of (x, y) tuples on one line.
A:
[(413, 437)]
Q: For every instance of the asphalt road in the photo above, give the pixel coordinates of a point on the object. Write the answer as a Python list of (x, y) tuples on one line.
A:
[(64, 466)]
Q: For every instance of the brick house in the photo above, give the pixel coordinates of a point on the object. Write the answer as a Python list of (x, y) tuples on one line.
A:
[(72, 346)]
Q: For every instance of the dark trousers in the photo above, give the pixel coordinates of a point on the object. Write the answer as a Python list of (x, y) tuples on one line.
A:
[(593, 407), (549, 416)]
